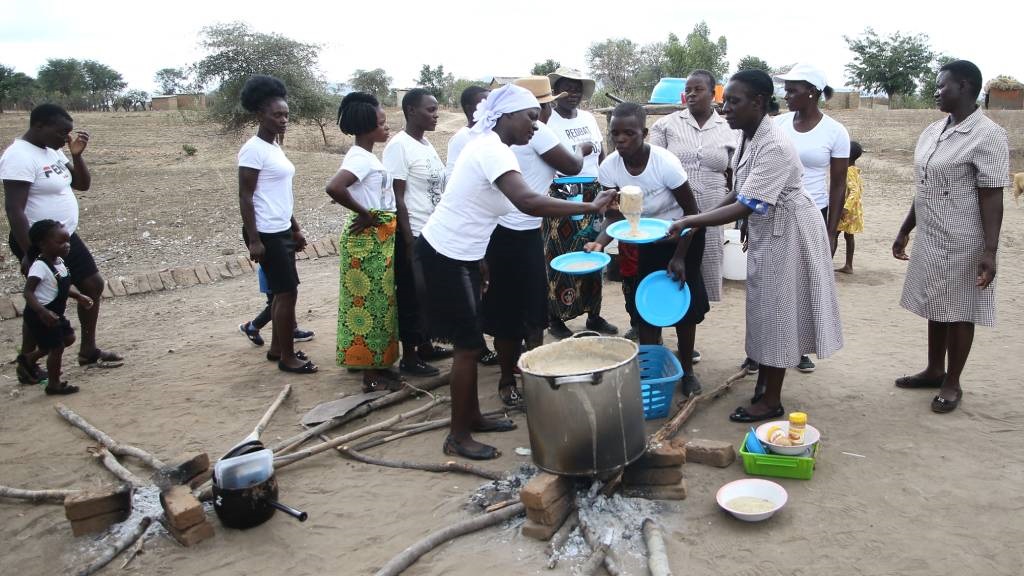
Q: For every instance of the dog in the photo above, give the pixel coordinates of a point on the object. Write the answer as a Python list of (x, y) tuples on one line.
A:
[(1018, 187)]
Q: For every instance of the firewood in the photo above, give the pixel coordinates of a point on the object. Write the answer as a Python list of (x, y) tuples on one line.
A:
[(109, 443), (115, 467), (671, 428), (37, 496), (449, 466), (125, 540), (657, 557)]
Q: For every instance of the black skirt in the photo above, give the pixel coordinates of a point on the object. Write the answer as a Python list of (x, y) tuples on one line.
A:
[(278, 261), (516, 301), (453, 297), (655, 257)]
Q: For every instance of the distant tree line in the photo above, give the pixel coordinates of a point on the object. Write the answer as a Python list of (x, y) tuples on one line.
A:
[(74, 84)]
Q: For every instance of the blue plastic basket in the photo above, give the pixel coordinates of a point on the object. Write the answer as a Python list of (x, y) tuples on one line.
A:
[(659, 372)]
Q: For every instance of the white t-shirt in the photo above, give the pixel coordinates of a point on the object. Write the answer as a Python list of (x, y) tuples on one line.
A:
[(417, 163), (461, 226), (575, 131), (828, 140), (537, 173), (455, 145), (273, 199), (49, 192), (373, 189), (46, 290), (663, 174)]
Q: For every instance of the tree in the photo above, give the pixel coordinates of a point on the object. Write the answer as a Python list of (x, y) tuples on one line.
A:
[(132, 100), (892, 64), (753, 63), (64, 77), (698, 51), (236, 53), (546, 67), (928, 80), (615, 64), (171, 80), (6, 73), (103, 82), (376, 82), (18, 90), (435, 81)]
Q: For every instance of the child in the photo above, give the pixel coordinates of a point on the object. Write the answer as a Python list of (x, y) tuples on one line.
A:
[(46, 297), (852, 220), (252, 329)]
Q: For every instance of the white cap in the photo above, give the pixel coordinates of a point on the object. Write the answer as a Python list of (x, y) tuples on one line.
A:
[(807, 73)]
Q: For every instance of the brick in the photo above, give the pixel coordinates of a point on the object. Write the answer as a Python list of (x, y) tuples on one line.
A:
[(183, 510), (183, 469), (710, 452), (214, 271), (167, 279), (200, 479), (539, 531), (155, 282), (142, 281), (665, 455), (129, 285), (304, 255), (223, 271), (93, 503), (193, 535), (316, 249), (7, 308), (245, 264), (326, 247), (554, 514), (334, 244), (118, 287), (545, 489), (652, 476), (19, 303), (674, 492), (98, 523), (234, 268), (185, 277), (203, 274), (107, 292)]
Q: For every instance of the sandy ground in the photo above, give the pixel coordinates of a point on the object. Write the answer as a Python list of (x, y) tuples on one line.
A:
[(918, 493)]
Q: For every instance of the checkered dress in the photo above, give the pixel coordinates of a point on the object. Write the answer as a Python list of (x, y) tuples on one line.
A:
[(705, 154), (950, 164), (791, 294)]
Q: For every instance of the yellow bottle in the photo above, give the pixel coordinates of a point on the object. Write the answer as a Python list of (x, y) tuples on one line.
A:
[(797, 426)]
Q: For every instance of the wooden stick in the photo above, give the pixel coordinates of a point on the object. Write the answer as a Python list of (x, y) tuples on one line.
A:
[(410, 555), (115, 467), (262, 424), (561, 537), (124, 541), (450, 466), (37, 496), (596, 560), (108, 442), (671, 428), (657, 557), (282, 461), (609, 559), (405, 393), (499, 505), (414, 429)]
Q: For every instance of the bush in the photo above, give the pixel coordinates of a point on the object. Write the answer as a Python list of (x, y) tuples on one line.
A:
[(189, 149)]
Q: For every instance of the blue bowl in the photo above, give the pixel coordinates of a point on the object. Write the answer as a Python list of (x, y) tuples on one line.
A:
[(669, 91)]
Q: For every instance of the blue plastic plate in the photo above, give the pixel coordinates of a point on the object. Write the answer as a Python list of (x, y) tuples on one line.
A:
[(660, 299), (580, 262), (575, 180), (648, 230)]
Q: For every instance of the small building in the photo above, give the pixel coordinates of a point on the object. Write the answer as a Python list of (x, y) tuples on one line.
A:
[(499, 81), (1004, 93), (179, 102), (843, 100)]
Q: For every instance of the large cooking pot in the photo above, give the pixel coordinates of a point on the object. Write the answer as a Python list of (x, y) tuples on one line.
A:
[(583, 405), (252, 505)]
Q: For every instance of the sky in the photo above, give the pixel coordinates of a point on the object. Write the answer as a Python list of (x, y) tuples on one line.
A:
[(480, 38)]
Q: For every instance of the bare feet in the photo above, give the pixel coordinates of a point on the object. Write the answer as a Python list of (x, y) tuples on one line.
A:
[(845, 269)]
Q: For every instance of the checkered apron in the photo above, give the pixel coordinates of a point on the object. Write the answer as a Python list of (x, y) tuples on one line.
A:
[(950, 164), (705, 153), (791, 295)]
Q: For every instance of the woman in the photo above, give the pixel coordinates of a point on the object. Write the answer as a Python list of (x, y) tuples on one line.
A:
[(485, 185), (824, 148), (515, 307), (667, 195), (791, 296), (961, 165), (367, 322), (418, 180), (572, 295), (269, 227)]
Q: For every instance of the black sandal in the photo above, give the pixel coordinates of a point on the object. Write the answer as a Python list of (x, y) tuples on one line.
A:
[(418, 368), (509, 394), (741, 415), (918, 381), (488, 357), (27, 372), (453, 448), (298, 354), (307, 368), (494, 425), (63, 390), (101, 359), (942, 405)]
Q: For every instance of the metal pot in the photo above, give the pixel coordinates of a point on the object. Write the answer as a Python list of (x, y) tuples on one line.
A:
[(252, 506), (587, 423)]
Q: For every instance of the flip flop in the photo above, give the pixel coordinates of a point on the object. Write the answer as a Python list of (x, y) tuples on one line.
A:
[(453, 448), (510, 395), (307, 368), (298, 354), (63, 390), (917, 381), (740, 414), (494, 425), (101, 359), (942, 405)]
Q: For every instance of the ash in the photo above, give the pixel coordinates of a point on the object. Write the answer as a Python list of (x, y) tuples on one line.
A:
[(502, 490), (145, 502)]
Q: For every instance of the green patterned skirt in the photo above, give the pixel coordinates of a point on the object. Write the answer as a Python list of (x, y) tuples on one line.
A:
[(367, 311)]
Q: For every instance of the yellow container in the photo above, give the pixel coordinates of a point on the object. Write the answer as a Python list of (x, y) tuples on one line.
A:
[(797, 426)]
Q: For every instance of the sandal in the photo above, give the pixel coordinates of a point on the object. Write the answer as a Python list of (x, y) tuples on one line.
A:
[(509, 394), (920, 381), (741, 415), (494, 425), (377, 382), (63, 390), (434, 352), (101, 359), (452, 447), (488, 357), (298, 354), (942, 405), (307, 368), (418, 368), (28, 373), (251, 333)]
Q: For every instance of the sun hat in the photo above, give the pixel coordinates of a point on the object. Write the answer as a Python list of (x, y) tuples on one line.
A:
[(540, 86), (573, 74), (806, 73)]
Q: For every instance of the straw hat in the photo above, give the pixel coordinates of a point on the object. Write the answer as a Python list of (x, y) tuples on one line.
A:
[(572, 74), (540, 87)]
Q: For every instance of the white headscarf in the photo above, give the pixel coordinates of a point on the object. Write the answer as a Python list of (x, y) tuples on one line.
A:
[(505, 100)]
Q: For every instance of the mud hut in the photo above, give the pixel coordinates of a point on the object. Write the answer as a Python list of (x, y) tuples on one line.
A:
[(1004, 93)]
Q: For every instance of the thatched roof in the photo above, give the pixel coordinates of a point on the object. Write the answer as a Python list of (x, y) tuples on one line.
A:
[(1004, 83)]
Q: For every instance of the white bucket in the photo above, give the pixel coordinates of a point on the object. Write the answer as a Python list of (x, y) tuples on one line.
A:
[(734, 259)]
